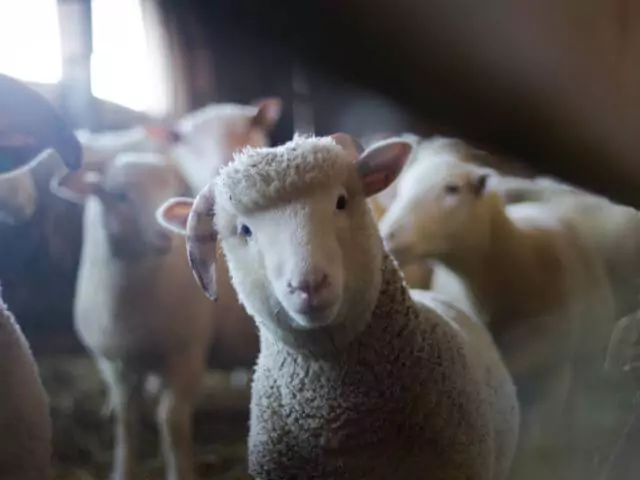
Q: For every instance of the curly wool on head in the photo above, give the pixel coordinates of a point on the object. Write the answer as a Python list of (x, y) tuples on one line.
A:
[(255, 181)]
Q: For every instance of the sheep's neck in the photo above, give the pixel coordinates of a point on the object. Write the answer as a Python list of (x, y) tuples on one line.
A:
[(486, 274)]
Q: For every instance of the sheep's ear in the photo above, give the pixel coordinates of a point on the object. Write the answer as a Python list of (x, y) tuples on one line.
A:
[(268, 114), (76, 186), (167, 133), (174, 214), (202, 238), (381, 164), (479, 184)]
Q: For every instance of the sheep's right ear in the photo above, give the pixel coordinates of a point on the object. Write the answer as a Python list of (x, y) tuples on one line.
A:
[(76, 186), (382, 163), (202, 239), (174, 214)]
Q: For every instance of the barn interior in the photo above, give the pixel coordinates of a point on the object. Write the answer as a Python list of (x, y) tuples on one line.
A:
[(373, 70)]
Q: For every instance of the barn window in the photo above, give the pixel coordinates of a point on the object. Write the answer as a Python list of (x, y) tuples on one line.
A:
[(121, 70), (30, 47)]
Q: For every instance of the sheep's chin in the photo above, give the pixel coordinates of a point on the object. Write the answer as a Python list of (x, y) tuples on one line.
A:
[(316, 319)]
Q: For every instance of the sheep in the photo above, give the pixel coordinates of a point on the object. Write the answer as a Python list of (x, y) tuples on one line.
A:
[(137, 309), (612, 230), (523, 270), (357, 377)]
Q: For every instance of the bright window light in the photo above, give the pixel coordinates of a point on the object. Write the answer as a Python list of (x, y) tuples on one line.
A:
[(30, 40), (120, 70)]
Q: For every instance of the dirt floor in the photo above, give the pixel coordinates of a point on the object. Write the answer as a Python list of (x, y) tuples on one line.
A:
[(83, 437)]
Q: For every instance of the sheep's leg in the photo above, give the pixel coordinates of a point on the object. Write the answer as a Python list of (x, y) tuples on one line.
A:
[(183, 375), (126, 399)]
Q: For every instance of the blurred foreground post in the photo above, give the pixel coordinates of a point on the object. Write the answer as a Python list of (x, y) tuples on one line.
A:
[(554, 82)]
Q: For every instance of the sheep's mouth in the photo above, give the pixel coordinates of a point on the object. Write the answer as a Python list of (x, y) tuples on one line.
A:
[(316, 315)]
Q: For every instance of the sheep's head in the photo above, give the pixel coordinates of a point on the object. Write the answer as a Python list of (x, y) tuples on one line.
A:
[(130, 189), (220, 129), (440, 206), (301, 243)]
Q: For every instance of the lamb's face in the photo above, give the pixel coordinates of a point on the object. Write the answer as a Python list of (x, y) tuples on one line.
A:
[(301, 244), (130, 189), (435, 210), (311, 256)]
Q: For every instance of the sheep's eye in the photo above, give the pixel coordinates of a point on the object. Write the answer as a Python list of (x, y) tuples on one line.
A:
[(341, 204), (245, 231), (452, 189)]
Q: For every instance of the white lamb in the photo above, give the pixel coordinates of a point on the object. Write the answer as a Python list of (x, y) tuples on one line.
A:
[(524, 270), (137, 308), (355, 379)]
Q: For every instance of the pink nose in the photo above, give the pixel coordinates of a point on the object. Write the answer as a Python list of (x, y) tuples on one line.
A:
[(311, 285)]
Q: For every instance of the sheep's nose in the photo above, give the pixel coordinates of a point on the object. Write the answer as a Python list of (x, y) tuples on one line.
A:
[(310, 285)]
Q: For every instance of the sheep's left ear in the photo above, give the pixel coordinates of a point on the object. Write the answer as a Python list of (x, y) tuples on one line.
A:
[(174, 214), (268, 114), (381, 164)]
